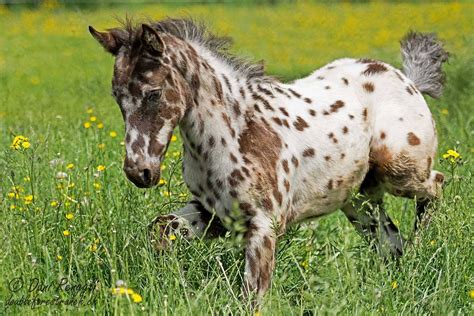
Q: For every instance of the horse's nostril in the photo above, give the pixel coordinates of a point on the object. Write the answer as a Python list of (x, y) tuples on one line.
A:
[(147, 175)]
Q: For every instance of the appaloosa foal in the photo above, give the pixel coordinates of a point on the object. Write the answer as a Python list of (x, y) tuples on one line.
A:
[(281, 152)]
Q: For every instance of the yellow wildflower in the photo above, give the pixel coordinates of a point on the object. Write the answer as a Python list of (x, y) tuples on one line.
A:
[(433, 242), (452, 155), (166, 193), (394, 284), (113, 134), (70, 166), (444, 111), (172, 237), (28, 199), (162, 181), (19, 142), (87, 124), (101, 146), (90, 111), (12, 195), (59, 257), (69, 216), (100, 168), (93, 118), (71, 185), (100, 125), (54, 203), (93, 247), (305, 264), (163, 167), (66, 233), (97, 186), (471, 294), (136, 298), (174, 138), (12, 207), (257, 313), (27, 179)]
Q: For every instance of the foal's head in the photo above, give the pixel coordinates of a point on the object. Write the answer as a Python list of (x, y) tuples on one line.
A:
[(152, 96)]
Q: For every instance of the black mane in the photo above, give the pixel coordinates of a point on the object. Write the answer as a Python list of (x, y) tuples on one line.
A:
[(197, 32)]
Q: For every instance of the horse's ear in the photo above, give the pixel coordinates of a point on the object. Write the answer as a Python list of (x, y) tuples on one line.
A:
[(152, 41), (111, 40)]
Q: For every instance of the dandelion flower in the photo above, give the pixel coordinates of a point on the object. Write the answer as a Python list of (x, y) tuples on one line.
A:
[(90, 111), (100, 168), (70, 166), (113, 134), (93, 118), (444, 111), (54, 203), (66, 233), (59, 257), (87, 124), (162, 181), (305, 264), (101, 146), (433, 242), (394, 284), (69, 216), (471, 294), (11, 195), (100, 125), (452, 155), (136, 298), (172, 237), (19, 142), (27, 179), (97, 186), (174, 138)]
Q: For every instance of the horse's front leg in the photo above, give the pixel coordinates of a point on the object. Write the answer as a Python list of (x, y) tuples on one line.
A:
[(259, 255), (191, 221)]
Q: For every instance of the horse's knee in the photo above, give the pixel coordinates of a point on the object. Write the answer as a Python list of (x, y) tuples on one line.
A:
[(164, 229)]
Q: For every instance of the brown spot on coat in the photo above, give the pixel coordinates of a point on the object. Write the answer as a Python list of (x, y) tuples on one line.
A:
[(284, 163), (345, 130), (312, 112), (413, 139), (369, 87), (336, 106), (308, 152), (374, 68), (300, 124)]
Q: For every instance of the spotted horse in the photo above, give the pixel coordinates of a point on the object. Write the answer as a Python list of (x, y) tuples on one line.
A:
[(281, 152)]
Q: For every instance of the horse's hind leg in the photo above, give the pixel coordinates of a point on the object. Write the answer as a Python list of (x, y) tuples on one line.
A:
[(370, 219), (191, 221)]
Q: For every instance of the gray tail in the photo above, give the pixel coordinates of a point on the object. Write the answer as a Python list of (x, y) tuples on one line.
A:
[(423, 54)]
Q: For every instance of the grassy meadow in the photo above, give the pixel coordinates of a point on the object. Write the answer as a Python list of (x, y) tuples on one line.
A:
[(68, 214)]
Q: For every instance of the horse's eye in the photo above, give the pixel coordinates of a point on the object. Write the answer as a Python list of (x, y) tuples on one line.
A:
[(154, 95)]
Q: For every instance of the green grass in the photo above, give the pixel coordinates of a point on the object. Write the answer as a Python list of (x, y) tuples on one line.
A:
[(52, 71)]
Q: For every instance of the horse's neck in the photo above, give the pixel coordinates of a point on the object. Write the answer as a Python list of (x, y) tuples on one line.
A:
[(223, 103)]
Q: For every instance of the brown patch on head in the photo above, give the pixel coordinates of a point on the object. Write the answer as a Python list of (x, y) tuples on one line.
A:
[(369, 87), (308, 152), (413, 139), (382, 135), (374, 68), (300, 124)]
